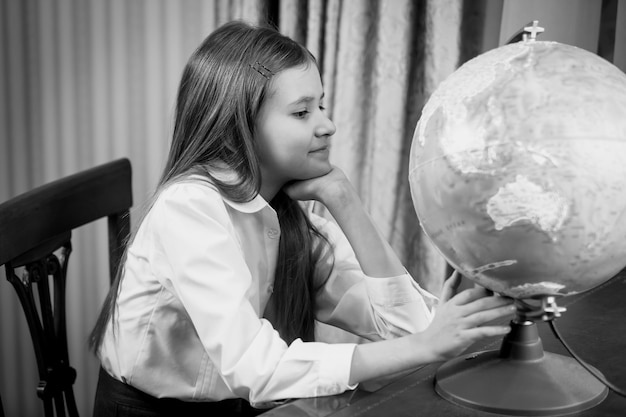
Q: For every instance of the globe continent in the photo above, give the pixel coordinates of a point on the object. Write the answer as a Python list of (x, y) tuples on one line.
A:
[(518, 169)]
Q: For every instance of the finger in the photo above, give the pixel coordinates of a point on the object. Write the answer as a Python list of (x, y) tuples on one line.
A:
[(450, 286), (487, 315), (478, 333), (485, 303), (489, 292), (469, 295)]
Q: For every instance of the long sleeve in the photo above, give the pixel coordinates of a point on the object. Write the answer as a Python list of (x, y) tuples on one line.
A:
[(194, 289), (210, 277), (371, 308), (197, 279)]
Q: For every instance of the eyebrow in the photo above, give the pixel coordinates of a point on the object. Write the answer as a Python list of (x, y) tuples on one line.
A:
[(305, 99)]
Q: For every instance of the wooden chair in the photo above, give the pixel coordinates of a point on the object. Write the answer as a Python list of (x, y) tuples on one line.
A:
[(35, 236)]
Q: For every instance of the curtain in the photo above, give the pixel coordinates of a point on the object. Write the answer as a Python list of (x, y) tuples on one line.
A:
[(380, 61), (83, 82)]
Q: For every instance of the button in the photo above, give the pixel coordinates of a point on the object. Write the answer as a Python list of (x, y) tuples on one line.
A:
[(273, 233), (270, 289)]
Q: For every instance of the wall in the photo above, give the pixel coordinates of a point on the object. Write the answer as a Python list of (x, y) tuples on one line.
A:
[(575, 22)]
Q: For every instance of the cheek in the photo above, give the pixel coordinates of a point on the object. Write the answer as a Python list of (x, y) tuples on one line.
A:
[(282, 145), (278, 156)]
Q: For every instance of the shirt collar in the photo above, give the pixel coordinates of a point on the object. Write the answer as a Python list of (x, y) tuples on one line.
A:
[(257, 204)]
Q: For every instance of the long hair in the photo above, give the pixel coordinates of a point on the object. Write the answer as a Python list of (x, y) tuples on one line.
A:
[(218, 102)]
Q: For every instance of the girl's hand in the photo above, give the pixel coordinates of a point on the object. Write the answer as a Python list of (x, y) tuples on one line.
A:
[(457, 324), (327, 189), (337, 194), (459, 319)]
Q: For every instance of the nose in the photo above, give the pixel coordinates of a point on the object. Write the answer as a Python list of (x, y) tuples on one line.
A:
[(325, 127)]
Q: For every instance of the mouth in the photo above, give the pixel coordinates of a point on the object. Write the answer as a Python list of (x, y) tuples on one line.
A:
[(320, 149)]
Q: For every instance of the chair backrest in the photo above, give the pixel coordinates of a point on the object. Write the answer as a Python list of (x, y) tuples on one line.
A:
[(35, 240)]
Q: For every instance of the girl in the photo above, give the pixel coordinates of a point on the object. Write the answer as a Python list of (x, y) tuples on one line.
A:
[(216, 303)]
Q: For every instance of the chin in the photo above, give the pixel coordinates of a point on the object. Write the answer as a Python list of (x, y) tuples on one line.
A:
[(313, 169), (323, 171)]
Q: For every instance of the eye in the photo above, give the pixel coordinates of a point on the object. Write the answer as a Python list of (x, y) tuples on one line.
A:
[(301, 114), (322, 108)]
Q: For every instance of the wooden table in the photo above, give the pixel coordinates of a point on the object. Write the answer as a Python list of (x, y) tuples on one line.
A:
[(594, 326)]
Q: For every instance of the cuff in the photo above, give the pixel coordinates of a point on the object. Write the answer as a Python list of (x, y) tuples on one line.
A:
[(334, 369), (398, 290)]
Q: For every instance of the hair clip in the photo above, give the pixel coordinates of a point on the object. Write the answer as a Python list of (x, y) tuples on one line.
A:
[(262, 69)]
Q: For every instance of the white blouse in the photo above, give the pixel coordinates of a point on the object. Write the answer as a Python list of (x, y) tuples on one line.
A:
[(197, 280)]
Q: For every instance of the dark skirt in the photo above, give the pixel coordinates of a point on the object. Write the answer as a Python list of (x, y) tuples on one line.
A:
[(116, 399)]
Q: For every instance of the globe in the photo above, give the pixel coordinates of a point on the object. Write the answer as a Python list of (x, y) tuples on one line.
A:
[(518, 169)]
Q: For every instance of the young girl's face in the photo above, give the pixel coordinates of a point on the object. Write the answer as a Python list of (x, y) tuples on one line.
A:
[(292, 131)]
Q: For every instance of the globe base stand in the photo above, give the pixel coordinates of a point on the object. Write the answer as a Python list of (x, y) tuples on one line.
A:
[(520, 379)]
